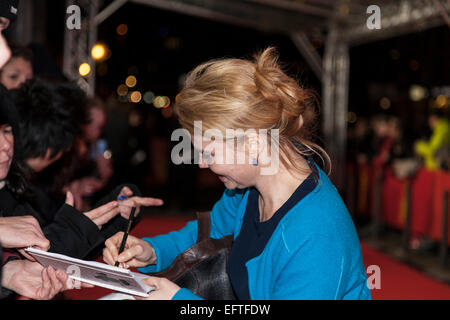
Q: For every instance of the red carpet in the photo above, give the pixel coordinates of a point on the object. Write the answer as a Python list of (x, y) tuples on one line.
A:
[(398, 281), (402, 282)]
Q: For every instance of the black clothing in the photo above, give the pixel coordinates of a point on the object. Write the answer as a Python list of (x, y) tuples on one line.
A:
[(69, 231)]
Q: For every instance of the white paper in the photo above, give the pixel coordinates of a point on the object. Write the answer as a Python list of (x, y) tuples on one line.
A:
[(96, 273)]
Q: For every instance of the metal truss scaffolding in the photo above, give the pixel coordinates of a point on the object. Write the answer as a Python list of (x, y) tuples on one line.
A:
[(340, 23)]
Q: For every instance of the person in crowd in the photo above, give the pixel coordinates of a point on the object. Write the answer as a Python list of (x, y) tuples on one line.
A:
[(45, 129), (293, 235), (18, 69), (439, 141), (95, 166), (24, 277), (21, 276)]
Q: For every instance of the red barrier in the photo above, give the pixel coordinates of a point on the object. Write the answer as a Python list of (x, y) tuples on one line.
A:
[(427, 190), (442, 183), (364, 190), (393, 208), (422, 190)]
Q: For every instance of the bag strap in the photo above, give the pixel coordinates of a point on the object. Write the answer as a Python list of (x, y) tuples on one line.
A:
[(204, 225)]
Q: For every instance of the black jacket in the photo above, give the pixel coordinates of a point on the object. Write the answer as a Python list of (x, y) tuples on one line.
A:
[(69, 231)]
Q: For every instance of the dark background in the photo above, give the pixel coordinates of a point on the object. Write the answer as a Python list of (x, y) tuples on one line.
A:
[(162, 46)]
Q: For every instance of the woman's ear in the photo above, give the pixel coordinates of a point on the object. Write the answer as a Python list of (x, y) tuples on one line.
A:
[(257, 148)]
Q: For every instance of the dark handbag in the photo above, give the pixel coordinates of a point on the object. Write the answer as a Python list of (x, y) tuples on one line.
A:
[(202, 267)]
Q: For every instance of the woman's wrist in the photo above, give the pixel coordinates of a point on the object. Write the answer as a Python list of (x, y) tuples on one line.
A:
[(151, 253)]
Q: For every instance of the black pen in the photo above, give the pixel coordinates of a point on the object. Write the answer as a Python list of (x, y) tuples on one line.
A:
[(125, 235)]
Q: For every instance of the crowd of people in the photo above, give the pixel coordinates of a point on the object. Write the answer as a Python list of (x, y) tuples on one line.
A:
[(384, 141), (52, 163), (291, 227), (385, 148)]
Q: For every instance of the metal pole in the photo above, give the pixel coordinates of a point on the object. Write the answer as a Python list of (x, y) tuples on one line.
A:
[(376, 205), (407, 226), (308, 52), (444, 240), (336, 65)]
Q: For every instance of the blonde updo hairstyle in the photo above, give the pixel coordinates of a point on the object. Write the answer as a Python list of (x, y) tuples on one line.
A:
[(258, 94)]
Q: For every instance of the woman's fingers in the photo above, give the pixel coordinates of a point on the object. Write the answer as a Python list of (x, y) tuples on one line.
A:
[(98, 212), (41, 242), (45, 288), (127, 256), (126, 205), (164, 288), (26, 255), (126, 192), (141, 201), (70, 200), (104, 213), (111, 251)]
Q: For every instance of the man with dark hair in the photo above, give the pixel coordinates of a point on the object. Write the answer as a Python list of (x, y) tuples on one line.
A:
[(51, 118)]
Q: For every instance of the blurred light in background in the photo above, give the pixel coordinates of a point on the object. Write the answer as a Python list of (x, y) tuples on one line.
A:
[(148, 97), (385, 103), (161, 102), (134, 119), (107, 154), (441, 101), (351, 117), (135, 96), (122, 90), (167, 112), (84, 69), (98, 51), (122, 29), (131, 81), (417, 93)]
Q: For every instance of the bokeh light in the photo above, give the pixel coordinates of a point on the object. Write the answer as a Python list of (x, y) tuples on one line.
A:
[(441, 101), (417, 93), (135, 96), (131, 81), (84, 69), (385, 103), (351, 117), (122, 90), (161, 102), (148, 97), (122, 29), (98, 51)]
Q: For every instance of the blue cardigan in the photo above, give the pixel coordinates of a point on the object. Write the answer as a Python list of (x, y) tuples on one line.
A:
[(314, 252)]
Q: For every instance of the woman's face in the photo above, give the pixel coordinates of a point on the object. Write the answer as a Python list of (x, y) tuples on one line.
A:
[(6, 150), (15, 72), (230, 163), (94, 129)]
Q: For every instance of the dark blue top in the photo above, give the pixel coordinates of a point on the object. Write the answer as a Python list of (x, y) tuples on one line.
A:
[(254, 235)]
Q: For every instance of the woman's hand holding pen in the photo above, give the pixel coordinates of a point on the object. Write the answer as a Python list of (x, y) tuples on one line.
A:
[(137, 253)]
